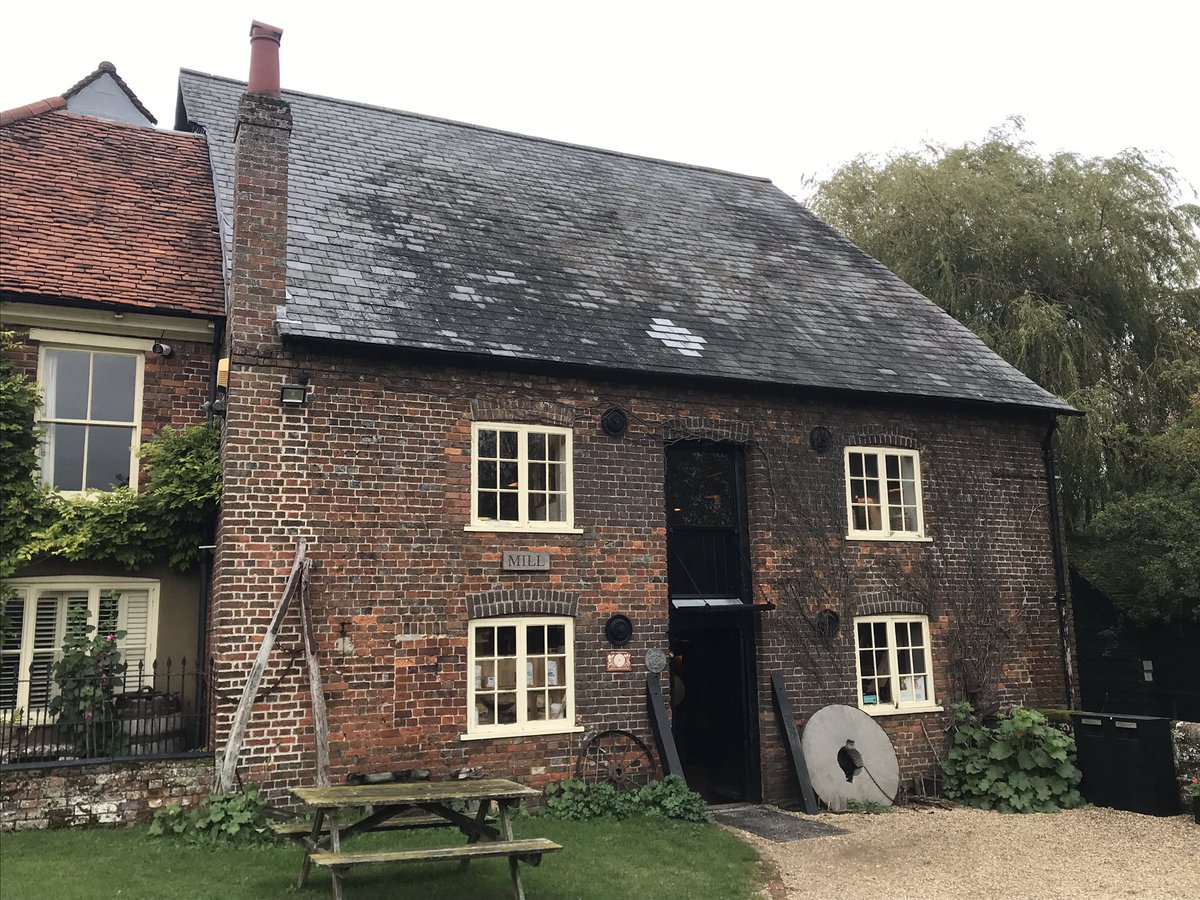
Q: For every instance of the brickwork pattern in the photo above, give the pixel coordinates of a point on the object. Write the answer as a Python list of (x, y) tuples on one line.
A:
[(108, 794), (525, 602)]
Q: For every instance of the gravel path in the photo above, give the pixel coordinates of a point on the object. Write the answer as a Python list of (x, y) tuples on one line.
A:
[(967, 853)]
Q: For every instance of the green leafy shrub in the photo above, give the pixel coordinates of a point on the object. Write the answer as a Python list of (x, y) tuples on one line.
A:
[(238, 820), (87, 678), (1023, 764), (22, 497), (867, 806), (669, 798)]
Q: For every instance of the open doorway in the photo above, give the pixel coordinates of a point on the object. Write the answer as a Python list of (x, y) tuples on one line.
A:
[(713, 698)]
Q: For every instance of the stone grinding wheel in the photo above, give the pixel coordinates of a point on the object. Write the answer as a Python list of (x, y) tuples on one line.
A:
[(864, 770)]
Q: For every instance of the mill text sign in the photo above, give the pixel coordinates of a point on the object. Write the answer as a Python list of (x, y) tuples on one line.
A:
[(525, 561)]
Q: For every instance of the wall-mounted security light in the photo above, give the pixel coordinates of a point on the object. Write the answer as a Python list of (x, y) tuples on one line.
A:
[(161, 349), (293, 396)]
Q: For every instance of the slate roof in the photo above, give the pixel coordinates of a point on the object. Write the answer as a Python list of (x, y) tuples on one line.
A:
[(413, 232), (108, 213)]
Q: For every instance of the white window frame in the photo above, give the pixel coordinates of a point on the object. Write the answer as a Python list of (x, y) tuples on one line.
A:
[(884, 532), (565, 725), (29, 589), (896, 707), (49, 339), (523, 523)]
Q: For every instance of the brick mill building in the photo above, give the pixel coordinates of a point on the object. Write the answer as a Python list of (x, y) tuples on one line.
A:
[(508, 388)]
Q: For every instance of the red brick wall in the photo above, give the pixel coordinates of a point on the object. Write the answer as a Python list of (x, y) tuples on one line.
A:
[(376, 474)]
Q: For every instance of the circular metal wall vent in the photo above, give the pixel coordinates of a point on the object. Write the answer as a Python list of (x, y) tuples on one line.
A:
[(619, 630), (614, 422)]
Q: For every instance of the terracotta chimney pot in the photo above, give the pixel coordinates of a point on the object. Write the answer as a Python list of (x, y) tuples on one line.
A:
[(264, 60)]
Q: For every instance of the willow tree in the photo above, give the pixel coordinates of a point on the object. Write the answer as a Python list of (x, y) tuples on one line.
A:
[(1081, 272)]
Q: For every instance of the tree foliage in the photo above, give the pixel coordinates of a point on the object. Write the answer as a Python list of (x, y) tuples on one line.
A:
[(1084, 273), (1080, 272)]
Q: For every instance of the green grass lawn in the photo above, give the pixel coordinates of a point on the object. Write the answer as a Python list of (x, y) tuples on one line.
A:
[(601, 859)]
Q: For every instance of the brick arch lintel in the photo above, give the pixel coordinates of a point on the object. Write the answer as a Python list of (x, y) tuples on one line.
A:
[(693, 428), (883, 603), (881, 439), (522, 602), (522, 409)]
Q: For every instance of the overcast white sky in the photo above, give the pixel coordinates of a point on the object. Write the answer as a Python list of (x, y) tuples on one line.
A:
[(786, 90)]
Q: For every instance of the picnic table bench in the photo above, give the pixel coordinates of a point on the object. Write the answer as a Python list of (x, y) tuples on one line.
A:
[(426, 804)]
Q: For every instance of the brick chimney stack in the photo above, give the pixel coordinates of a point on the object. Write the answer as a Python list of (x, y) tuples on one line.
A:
[(258, 277), (262, 507)]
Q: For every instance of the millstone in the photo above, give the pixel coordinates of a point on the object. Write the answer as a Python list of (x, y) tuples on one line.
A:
[(849, 757)]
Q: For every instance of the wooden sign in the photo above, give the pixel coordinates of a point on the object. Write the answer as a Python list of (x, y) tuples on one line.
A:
[(620, 661), (525, 561)]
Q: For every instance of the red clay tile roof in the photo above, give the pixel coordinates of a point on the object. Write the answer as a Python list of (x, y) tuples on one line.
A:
[(32, 109), (108, 213)]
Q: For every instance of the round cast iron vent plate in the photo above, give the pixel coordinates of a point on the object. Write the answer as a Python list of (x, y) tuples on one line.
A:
[(619, 630)]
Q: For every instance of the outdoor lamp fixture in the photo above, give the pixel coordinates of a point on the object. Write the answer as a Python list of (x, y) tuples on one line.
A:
[(294, 396)]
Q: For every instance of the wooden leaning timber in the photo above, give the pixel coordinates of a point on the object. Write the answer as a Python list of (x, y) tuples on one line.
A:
[(297, 583)]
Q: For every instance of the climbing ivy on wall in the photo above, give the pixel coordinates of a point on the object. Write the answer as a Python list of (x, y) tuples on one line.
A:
[(168, 521)]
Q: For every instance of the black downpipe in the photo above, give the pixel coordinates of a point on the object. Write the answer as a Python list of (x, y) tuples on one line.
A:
[(206, 556), (1060, 562)]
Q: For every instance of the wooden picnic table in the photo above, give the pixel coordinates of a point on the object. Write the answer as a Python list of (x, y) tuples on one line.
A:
[(414, 805)]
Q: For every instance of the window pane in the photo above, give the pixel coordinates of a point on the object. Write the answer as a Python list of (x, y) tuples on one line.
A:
[(506, 707), (557, 511), (893, 466), (508, 475), (485, 641), (866, 660), (917, 634), (537, 711), (908, 468), (871, 465), (856, 465), (66, 384), (488, 474), (537, 445), (881, 635), (537, 476), (487, 442), (556, 671), (507, 640), (557, 477), (537, 507), (558, 704), (869, 697), (487, 505), (885, 690), (535, 639), (557, 635), (508, 445), (9, 666), (14, 610), (506, 673), (64, 448), (920, 691), (40, 681), (508, 506), (484, 714), (904, 662), (114, 377), (864, 634), (556, 446), (108, 456), (901, 634), (45, 624)]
